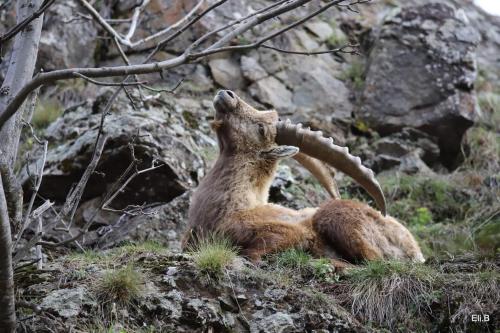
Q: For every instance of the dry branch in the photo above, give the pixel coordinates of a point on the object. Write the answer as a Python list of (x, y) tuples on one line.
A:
[(21, 25), (186, 57)]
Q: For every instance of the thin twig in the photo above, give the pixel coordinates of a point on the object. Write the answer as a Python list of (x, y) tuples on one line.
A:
[(109, 84), (348, 49), (135, 19), (186, 57), (27, 214), (169, 91)]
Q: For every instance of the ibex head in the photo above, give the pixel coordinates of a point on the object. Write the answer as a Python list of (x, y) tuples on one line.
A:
[(241, 129)]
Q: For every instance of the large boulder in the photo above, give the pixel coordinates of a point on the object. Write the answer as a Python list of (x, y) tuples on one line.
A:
[(68, 40), (168, 131), (421, 73)]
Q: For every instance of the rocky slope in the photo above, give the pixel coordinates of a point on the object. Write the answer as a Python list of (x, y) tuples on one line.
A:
[(420, 106)]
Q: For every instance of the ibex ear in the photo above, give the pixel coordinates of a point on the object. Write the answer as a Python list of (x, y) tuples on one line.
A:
[(216, 124), (279, 152)]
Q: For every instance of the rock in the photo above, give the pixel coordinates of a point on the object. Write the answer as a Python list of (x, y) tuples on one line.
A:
[(317, 91), (165, 224), (66, 302), (278, 322), (67, 41), (251, 69), (409, 151), (226, 72), (157, 134), (308, 43), (420, 74), (321, 29), (272, 92)]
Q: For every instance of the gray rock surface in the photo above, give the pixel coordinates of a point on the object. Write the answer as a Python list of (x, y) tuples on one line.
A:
[(421, 73), (226, 72), (66, 302), (165, 132), (67, 40), (164, 224)]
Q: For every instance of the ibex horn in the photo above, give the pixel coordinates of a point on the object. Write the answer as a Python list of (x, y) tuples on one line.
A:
[(315, 145)]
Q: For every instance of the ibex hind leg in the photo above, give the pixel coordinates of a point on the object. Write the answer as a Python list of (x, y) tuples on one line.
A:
[(358, 233), (349, 228)]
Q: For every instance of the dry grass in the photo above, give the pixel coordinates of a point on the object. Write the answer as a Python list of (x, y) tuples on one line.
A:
[(388, 293)]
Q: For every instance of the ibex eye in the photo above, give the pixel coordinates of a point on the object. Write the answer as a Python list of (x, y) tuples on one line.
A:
[(262, 130)]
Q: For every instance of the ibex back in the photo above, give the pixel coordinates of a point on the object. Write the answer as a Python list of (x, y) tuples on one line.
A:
[(232, 199)]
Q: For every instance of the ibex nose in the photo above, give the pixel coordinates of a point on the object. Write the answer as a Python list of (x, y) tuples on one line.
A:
[(224, 93), (225, 101)]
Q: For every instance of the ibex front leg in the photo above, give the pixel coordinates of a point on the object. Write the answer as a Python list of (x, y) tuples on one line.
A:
[(269, 229)]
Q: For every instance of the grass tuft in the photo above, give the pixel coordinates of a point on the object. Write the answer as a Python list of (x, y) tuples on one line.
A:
[(144, 247), (355, 73), (212, 255), (85, 257), (45, 114), (388, 292), (294, 259), (122, 286)]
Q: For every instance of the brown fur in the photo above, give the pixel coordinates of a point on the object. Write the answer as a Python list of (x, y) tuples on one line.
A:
[(232, 199)]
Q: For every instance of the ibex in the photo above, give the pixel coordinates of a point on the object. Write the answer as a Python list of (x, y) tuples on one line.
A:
[(232, 199)]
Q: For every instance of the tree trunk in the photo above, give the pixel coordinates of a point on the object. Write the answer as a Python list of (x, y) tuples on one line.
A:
[(7, 301), (19, 72)]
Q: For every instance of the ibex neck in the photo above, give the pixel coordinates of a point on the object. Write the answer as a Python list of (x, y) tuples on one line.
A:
[(247, 181), (234, 183)]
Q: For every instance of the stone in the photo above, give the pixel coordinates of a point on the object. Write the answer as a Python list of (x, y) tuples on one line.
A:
[(270, 91), (308, 43), (64, 44), (158, 136), (276, 323), (164, 224), (226, 72), (251, 69), (66, 302), (420, 74), (320, 29)]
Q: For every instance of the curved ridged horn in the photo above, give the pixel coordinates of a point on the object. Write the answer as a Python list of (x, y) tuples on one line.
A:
[(321, 172), (315, 145)]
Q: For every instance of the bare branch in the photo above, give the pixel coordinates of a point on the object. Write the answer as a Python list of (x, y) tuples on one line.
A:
[(126, 40), (135, 19), (164, 43), (110, 84), (186, 57), (169, 91), (211, 50), (36, 187), (75, 196), (348, 49), (21, 25)]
